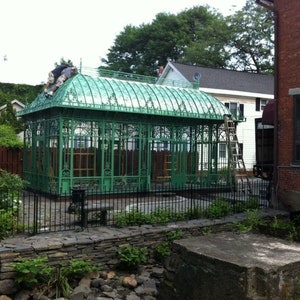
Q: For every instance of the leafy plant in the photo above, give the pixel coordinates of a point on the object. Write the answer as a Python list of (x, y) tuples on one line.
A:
[(65, 274), (253, 220), (250, 203), (218, 209), (10, 185), (289, 227), (131, 256), (78, 268), (37, 273), (8, 223), (32, 272), (206, 231), (281, 224), (8, 137), (253, 217), (194, 213), (163, 250), (174, 235), (136, 218)]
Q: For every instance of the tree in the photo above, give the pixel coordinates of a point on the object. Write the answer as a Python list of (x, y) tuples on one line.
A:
[(64, 62), (252, 44), (8, 137), (8, 117), (209, 35), (169, 37), (23, 92), (199, 36)]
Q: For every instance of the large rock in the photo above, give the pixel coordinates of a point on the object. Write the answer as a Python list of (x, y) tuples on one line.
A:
[(289, 199), (233, 266), (8, 287)]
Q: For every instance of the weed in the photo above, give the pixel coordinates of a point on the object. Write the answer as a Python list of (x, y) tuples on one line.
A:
[(136, 218), (253, 220), (163, 250), (31, 272), (131, 256), (194, 213), (174, 235), (206, 231), (37, 273), (218, 209), (250, 203)]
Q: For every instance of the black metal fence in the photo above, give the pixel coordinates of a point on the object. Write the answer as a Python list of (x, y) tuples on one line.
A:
[(31, 212)]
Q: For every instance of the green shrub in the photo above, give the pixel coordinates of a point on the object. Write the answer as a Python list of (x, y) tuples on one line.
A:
[(9, 138), (194, 213), (36, 273), (163, 250), (253, 220), (136, 218), (250, 203), (77, 268), (131, 256), (10, 186), (218, 209), (8, 223), (32, 272)]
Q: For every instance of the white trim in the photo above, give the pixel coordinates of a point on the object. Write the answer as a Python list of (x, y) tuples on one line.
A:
[(236, 93), (295, 91), (13, 102)]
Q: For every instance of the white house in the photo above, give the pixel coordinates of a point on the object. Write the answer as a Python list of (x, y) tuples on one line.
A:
[(246, 94), (17, 106)]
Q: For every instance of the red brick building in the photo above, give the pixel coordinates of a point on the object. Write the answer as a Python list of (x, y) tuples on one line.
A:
[(286, 180)]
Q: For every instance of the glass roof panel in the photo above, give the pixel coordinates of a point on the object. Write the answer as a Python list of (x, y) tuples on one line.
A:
[(110, 94)]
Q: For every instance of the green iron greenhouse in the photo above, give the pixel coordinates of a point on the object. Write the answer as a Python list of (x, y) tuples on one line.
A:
[(115, 135)]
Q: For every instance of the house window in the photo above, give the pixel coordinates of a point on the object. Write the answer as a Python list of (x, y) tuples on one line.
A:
[(222, 150), (260, 104), (297, 129), (236, 109)]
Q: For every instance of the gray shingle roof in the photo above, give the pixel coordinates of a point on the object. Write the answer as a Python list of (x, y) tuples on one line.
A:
[(228, 79)]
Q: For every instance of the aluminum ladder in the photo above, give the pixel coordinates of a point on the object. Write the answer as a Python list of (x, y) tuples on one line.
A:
[(240, 179)]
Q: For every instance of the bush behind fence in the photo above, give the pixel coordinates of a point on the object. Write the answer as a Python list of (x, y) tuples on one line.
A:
[(32, 212)]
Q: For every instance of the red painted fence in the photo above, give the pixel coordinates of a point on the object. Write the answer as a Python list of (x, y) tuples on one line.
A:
[(11, 160)]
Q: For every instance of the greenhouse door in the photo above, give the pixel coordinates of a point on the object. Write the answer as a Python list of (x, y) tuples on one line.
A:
[(179, 163)]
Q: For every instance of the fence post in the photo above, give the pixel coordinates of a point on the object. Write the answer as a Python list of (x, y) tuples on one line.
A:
[(35, 213), (78, 202)]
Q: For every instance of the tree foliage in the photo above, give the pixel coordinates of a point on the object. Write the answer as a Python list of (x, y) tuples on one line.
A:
[(8, 137), (22, 92), (8, 117), (169, 37), (198, 36), (252, 43)]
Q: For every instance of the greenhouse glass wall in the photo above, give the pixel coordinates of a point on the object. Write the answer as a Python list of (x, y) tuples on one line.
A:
[(116, 135)]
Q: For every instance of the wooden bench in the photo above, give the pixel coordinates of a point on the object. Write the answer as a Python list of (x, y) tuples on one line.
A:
[(101, 208)]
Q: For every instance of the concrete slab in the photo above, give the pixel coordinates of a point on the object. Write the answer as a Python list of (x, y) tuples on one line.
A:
[(233, 267), (248, 250)]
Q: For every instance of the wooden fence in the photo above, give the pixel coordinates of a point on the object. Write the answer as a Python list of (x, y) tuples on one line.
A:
[(11, 160)]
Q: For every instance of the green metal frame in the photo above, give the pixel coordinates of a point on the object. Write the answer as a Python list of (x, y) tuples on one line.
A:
[(114, 135)]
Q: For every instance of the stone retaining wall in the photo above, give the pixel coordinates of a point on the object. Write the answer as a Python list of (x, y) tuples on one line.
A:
[(99, 244)]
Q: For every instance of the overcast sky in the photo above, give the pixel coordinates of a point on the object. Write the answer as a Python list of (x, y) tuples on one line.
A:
[(34, 34)]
